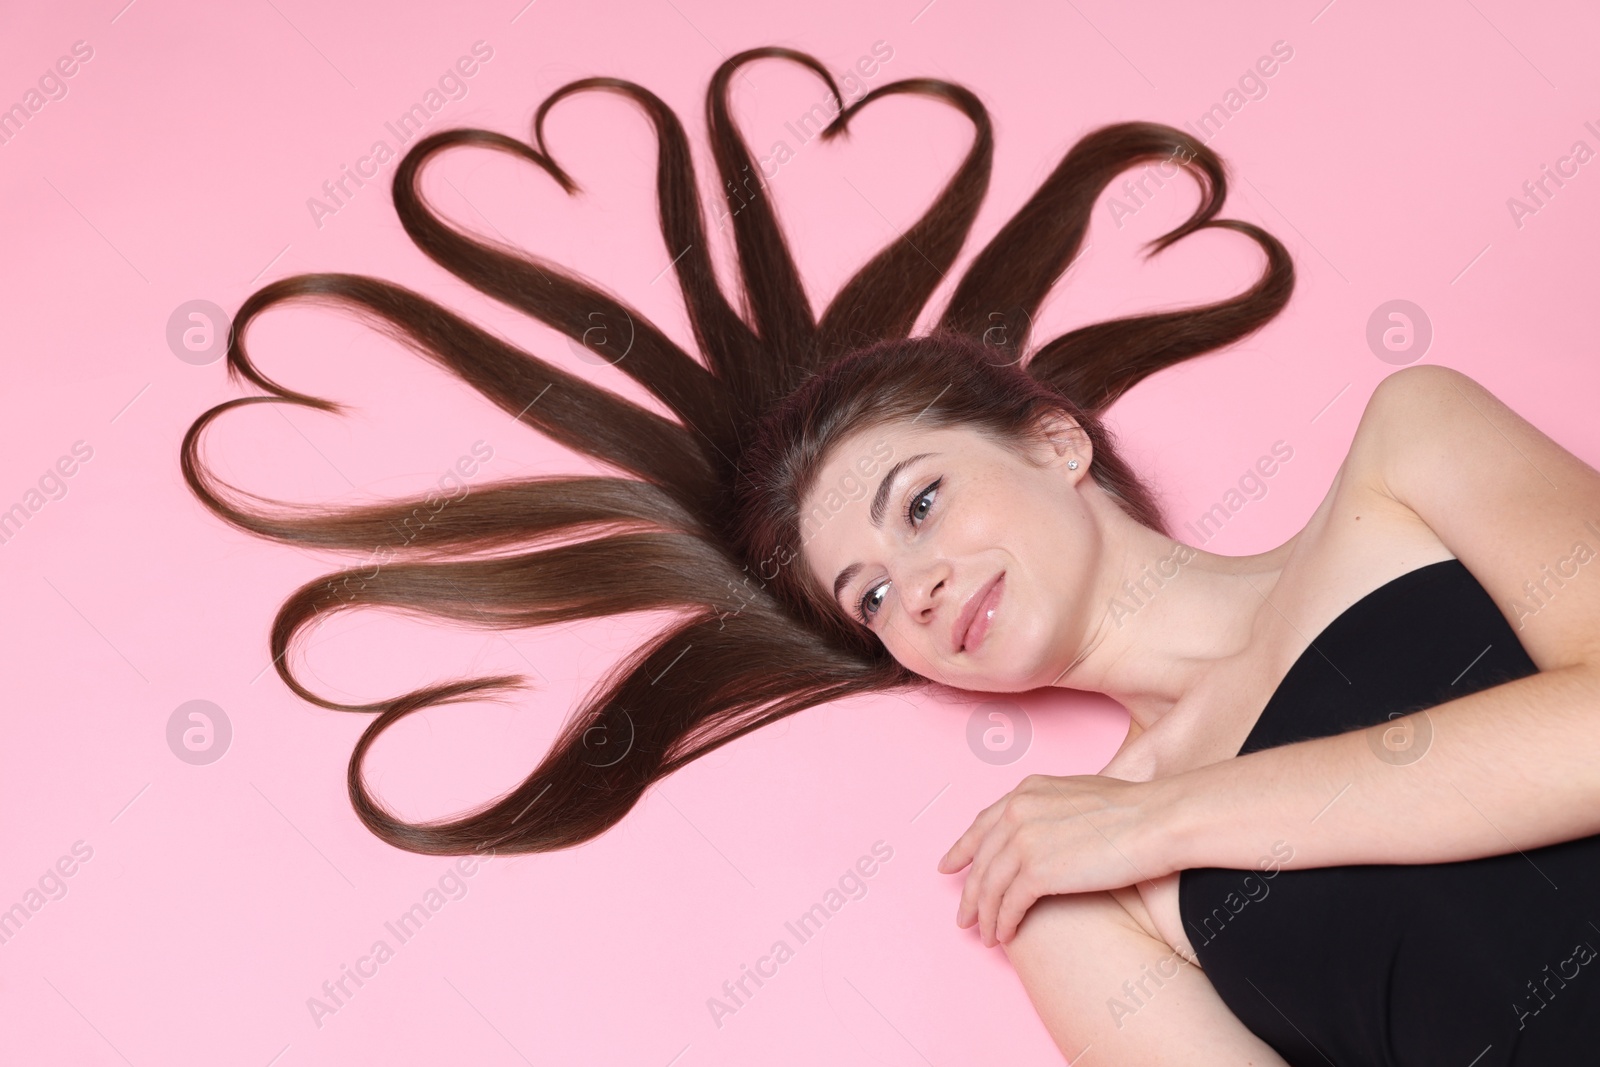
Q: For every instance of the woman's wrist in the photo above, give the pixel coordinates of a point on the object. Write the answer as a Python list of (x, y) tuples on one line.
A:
[(1173, 826), (1217, 815)]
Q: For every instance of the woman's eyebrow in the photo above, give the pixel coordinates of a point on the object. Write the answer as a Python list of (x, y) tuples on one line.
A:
[(880, 501)]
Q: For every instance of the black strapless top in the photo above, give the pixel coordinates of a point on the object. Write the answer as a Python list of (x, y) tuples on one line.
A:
[(1480, 963)]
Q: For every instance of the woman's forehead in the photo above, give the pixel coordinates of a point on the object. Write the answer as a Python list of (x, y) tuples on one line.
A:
[(887, 443)]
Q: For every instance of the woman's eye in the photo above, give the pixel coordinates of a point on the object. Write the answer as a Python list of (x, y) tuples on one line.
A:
[(862, 611), (912, 512)]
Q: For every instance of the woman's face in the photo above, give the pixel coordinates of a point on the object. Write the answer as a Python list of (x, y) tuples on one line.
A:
[(967, 530)]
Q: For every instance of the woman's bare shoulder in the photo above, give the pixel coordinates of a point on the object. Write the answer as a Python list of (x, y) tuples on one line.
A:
[(1337, 559)]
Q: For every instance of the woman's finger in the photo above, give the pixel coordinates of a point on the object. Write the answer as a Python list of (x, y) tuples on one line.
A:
[(993, 843), (980, 880), (1020, 896), (1000, 875), (961, 853)]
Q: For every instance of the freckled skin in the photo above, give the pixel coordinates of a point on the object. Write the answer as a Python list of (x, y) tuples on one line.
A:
[(993, 511)]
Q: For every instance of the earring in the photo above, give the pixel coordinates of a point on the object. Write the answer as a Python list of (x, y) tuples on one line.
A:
[(1072, 464)]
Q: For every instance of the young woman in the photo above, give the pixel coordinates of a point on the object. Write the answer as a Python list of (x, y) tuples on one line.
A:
[(1437, 930), (1288, 861)]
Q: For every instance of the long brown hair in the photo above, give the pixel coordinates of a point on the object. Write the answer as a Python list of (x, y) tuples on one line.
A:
[(706, 499)]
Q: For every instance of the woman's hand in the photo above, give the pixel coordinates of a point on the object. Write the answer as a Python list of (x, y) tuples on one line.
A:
[(1049, 835)]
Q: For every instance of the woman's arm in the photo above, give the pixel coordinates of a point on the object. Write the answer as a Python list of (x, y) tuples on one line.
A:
[(1507, 768), (1109, 993)]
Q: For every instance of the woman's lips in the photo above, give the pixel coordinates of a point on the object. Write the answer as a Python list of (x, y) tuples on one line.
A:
[(986, 601)]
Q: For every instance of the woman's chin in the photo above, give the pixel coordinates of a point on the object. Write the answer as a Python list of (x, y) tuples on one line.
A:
[(977, 674), (990, 680)]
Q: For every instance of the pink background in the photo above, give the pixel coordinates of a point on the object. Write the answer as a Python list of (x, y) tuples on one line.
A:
[(178, 166)]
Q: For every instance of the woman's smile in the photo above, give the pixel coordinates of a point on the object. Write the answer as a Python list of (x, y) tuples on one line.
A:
[(974, 621)]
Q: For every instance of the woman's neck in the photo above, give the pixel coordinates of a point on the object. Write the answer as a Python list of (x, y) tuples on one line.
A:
[(1166, 614)]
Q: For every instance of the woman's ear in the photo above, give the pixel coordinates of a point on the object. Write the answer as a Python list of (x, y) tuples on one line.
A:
[(1067, 441)]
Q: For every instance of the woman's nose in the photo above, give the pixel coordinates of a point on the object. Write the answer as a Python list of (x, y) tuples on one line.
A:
[(924, 590)]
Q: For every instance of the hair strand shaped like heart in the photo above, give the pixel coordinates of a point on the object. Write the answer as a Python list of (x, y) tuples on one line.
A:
[(703, 514)]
